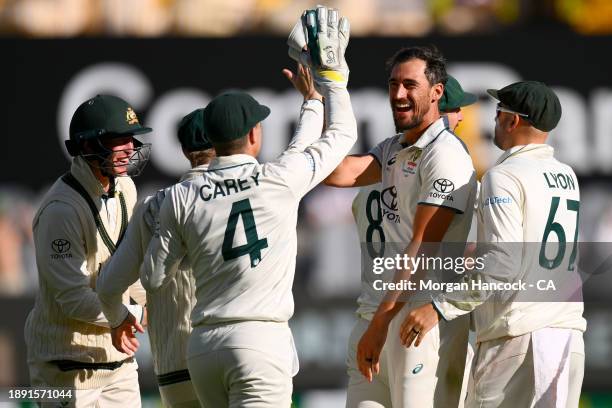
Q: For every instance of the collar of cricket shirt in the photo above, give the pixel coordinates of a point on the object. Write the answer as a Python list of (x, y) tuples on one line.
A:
[(81, 170), (431, 133), (194, 172), (541, 150), (235, 160)]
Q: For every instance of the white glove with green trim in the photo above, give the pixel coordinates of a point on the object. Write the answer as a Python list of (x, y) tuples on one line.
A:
[(319, 40)]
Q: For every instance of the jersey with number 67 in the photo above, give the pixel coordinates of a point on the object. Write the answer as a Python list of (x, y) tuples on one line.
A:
[(529, 210), (237, 224)]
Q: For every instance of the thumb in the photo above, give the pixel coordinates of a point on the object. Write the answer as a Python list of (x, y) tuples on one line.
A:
[(139, 327), (137, 324), (288, 74)]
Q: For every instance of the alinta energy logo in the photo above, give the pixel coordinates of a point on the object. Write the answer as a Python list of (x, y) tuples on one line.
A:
[(388, 197), (443, 189), (61, 247)]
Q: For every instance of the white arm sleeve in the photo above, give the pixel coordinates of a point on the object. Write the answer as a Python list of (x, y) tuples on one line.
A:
[(302, 171), (65, 269), (500, 230), (167, 247), (122, 271)]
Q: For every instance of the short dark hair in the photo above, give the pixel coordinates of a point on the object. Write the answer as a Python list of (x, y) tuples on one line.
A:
[(235, 146), (435, 69)]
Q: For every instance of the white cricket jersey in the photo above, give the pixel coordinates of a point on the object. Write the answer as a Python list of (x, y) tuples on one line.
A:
[(528, 199), (237, 224), (436, 170)]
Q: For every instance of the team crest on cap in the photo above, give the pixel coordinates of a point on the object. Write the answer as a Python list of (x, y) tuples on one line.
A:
[(130, 117)]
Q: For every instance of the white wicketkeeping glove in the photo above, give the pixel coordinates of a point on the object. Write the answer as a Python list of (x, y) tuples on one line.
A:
[(319, 40)]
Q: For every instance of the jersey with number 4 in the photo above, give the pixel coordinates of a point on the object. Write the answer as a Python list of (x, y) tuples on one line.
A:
[(237, 225), (529, 209)]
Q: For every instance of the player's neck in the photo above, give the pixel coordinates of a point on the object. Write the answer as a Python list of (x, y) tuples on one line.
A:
[(104, 180), (412, 135)]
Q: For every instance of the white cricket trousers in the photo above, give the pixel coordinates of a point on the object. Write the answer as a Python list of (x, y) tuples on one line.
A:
[(113, 388), (430, 375), (179, 395), (245, 364), (502, 373)]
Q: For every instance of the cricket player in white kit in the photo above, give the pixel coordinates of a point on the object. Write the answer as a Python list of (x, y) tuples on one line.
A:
[(368, 212), (170, 307), (81, 220), (529, 352), (236, 224)]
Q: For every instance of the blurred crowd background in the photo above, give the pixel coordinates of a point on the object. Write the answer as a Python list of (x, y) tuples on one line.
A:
[(220, 18), (169, 56)]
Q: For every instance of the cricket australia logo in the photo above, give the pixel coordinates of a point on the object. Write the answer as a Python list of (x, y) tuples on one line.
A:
[(443, 189), (410, 165), (130, 117), (388, 197), (61, 247)]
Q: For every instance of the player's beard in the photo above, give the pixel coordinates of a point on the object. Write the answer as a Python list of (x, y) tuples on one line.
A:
[(419, 110)]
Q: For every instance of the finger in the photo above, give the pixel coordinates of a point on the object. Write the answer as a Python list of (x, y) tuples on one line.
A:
[(332, 23), (421, 336), (322, 20), (139, 327), (297, 37), (116, 344), (288, 74), (368, 372), (376, 368), (344, 30), (128, 344), (405, 330), (125, 348), (411, 337)]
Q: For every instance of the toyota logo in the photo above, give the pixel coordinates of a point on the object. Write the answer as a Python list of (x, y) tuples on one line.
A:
[(443, 185), (60, 246), (389, 198)]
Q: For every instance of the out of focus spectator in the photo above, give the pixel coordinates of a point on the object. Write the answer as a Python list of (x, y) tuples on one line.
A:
[(17, 274), (52, 18), (220, 18), (586, 16)]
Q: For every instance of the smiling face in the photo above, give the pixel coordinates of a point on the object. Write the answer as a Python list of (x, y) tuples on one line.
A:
[(411, 95)]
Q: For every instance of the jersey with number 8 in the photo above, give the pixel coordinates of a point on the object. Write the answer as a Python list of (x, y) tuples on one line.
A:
[(368, 215)]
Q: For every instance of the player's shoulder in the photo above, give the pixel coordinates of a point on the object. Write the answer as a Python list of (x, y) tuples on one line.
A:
[(447, 149), (59, 208), (447, 141), (501, 175)]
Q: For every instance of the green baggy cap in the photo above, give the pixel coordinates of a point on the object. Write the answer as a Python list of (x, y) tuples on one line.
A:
[(232, 115), (454, 97), (191, 132), (531, 98), (104, 115)]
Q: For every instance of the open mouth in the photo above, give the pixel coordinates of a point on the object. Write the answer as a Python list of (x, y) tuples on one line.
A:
[(402, 107)]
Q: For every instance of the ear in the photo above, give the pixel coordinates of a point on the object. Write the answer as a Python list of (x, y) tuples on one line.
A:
[(251, 136), (436, 92), (514, 123)]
